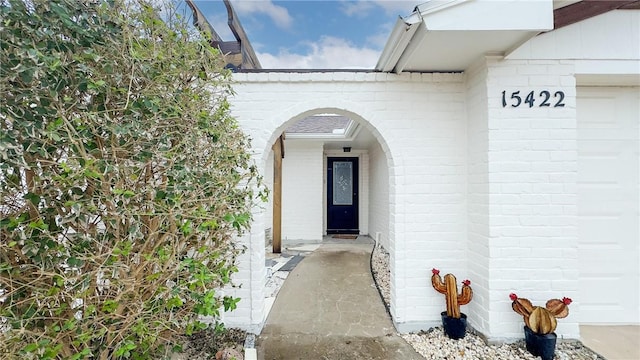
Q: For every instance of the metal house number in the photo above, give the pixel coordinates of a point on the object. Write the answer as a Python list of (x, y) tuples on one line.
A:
[(515, 99)]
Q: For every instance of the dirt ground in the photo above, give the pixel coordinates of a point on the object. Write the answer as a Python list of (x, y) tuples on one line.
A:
[(205, 344)]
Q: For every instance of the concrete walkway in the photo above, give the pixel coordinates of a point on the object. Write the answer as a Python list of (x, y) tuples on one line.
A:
[(612, 342), (329, 308)]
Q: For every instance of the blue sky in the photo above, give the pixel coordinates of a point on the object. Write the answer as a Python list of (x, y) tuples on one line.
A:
[(312, 34)]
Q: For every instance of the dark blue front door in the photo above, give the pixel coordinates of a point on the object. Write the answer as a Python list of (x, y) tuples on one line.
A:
[(342, 195)]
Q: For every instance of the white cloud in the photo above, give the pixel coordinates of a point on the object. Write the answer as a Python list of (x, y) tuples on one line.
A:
[(398, 7), (280, 15), (356, 8), (380, 39), (363, 8), (328, 53)]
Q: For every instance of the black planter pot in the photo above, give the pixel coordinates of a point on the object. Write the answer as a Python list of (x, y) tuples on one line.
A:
[(540, 345), (454, 328)]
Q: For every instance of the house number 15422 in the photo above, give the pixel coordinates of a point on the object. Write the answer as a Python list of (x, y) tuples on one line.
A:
[(544, 99)]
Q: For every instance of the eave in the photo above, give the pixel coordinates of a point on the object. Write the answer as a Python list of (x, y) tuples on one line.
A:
[(447, 36)]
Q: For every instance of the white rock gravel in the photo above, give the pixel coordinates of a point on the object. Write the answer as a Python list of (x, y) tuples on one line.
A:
[(434, 344), (381, 273)]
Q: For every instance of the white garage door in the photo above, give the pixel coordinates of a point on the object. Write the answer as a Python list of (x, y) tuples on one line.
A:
[(608, 202)]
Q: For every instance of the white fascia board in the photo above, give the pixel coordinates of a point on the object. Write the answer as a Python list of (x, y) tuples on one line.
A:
[(401, 35), (437, 5), (407, 54)]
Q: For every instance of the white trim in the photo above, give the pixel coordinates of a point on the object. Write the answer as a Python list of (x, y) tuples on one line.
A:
[(401, 35), (607, 80), (432, 6), (609, 67), (416, 41)]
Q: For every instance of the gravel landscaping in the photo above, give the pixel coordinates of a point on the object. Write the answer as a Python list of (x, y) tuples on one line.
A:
[(434, 344)]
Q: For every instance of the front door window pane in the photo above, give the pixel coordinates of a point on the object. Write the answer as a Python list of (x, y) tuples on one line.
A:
[(342, 183)]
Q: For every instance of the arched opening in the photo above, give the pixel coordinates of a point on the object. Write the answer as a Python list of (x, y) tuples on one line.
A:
[(336, 178)]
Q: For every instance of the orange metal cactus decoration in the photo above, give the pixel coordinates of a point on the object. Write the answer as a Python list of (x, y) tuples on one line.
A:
[(541, 320), (450, 289)]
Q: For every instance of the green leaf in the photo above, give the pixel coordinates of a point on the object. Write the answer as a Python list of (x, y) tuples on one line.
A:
[(160, 195), (81, 355), (209, 224), (125, 349), (123, 192), (30, 348), (91, 173), (33, 198), (109, 306), (91, 85), (55, 64), (186, 227), (230, 303), (74, 262), (174, 302), (27, 76), (38, 224)]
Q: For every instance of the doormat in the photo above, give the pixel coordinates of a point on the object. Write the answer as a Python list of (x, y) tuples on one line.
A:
[(289, 265), (347, 237)]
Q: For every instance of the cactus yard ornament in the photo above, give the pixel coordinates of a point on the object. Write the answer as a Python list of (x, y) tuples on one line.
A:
[(453, 321), (450, 290), (540, 323), (541, 320)]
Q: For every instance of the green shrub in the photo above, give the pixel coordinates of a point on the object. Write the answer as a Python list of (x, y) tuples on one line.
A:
[(123, 180)]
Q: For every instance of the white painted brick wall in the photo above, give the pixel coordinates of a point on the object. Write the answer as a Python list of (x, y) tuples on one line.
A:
[(478, 206), (249, 282), (379, 196), (484, 192), (268, 182), (532, 167), (302, 189)]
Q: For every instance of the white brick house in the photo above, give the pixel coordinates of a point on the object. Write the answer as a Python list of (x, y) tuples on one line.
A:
[(491, 143)]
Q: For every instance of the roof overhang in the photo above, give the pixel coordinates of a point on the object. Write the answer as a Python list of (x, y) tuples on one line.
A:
[(449, 35)]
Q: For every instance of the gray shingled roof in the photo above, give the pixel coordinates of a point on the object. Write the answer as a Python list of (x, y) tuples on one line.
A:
[(319, 124)]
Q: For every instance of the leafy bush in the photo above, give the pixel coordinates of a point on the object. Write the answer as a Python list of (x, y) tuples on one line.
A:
[(123, 180)]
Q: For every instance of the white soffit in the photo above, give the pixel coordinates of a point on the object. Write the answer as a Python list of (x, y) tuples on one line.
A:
[(451, 34), (456, 50)]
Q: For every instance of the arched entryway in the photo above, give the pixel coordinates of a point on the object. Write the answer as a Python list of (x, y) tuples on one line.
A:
[(312, 147), (327, 162)]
